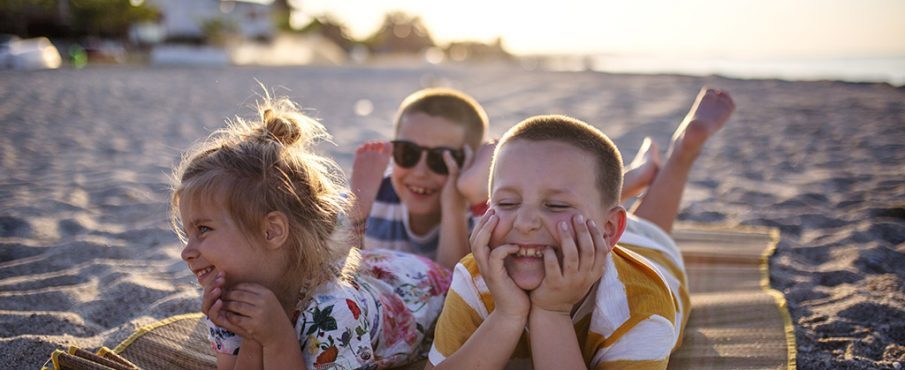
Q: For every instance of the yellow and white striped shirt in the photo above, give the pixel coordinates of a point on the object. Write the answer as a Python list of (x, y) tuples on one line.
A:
[(633, 318)]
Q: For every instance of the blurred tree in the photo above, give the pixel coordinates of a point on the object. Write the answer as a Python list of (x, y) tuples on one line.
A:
[(282, 9), (28, 18), (73, 18), (218, 30), (331, 29), (400, 32)]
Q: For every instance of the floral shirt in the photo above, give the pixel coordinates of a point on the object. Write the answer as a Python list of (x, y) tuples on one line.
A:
[(383, 317)]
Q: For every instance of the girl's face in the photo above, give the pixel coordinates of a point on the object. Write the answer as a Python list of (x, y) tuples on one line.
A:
[(419, 187), (536, 186), (217, 244)]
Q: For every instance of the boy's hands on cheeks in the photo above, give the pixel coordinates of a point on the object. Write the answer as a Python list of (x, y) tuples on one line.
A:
[(253, 312), (582, 265), (509, 299)]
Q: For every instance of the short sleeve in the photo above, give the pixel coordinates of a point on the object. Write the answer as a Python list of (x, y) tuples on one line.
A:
[(333, 333), (462, 314), (222, 340)]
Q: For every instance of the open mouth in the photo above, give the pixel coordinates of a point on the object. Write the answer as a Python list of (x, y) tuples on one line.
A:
[(421, 191), (531, 251), (202, 273)]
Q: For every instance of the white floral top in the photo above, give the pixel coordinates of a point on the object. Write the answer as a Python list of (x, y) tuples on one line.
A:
[(384, 317)]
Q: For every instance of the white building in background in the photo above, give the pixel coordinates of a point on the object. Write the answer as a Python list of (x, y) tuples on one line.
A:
[(184, 19)]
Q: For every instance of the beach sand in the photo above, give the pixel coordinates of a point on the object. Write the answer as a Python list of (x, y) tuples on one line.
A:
[(87, 254)]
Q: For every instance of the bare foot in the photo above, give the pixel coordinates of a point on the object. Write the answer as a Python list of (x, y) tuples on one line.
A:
[(708, 115), (642, 171), (368, 167)]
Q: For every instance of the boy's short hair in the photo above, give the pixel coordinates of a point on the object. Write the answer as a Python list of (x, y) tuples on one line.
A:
[(581, 135), (451, 104)]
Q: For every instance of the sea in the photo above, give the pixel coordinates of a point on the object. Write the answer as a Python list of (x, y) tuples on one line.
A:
[(888, 69)]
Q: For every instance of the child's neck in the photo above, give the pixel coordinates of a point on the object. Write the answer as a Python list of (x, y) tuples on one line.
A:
[(423, 223), (288, 296)]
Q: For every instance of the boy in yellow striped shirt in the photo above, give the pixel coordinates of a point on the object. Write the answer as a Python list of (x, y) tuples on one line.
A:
[(546, 284)]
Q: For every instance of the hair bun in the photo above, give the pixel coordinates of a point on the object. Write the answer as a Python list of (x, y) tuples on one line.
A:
[(282, 127)]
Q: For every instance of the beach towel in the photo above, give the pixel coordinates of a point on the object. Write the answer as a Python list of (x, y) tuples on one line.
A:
[(737, 321)]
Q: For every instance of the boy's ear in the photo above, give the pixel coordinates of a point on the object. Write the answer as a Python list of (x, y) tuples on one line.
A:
[(615, 225), (276, 229)]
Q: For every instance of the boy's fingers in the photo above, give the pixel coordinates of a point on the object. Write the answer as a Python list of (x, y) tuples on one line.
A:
[(481, 234), (568, 249), (499, 254), (451, 165), (551, 265), (585, 242), (480, 237)]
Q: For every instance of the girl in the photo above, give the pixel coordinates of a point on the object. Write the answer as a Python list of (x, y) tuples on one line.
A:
[(260, 213)]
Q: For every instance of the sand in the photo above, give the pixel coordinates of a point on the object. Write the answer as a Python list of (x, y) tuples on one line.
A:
[(87, 255)]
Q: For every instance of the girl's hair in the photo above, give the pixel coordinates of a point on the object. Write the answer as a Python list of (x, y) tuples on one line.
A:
[(254, 167)]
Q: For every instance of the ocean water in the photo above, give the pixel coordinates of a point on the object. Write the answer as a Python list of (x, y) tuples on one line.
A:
[(889, 69)]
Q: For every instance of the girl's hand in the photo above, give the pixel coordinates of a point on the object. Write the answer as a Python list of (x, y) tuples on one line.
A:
[(211, 293), (253, 312), (582, 266), (509, 299)]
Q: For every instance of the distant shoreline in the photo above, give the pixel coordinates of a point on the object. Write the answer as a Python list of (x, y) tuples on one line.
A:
[(888, 69)]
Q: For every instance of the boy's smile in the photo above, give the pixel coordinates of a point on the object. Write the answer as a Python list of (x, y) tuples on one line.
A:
[(536, 186)]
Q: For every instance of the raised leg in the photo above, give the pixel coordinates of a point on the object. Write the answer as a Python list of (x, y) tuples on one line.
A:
[(642, 170), (709, 113)]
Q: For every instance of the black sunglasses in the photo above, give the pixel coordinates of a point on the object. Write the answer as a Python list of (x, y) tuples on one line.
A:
[(407, 154)]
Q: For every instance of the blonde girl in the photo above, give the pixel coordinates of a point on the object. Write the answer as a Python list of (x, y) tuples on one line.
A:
[(259, 213)]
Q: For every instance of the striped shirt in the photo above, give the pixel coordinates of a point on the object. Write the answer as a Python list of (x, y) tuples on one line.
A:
[(634, 316), (387, 226)]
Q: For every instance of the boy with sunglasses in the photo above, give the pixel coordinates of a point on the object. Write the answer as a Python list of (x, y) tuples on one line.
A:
[(417, 208)]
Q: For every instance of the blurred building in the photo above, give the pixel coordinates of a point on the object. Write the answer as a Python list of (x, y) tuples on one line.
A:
[(189, 20)]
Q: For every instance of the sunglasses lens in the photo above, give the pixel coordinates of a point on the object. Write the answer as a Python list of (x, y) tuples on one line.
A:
[(405, 154), (435, 161)]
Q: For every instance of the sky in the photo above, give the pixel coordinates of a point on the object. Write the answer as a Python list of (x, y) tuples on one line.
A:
[(725, 28)]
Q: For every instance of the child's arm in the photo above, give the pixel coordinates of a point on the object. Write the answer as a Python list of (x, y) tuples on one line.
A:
[(554, 344), (491, 345), (254, 313), (453, 244), (473, 181)]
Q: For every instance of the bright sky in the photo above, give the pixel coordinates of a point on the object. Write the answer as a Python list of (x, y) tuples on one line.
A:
[(697, 27)]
